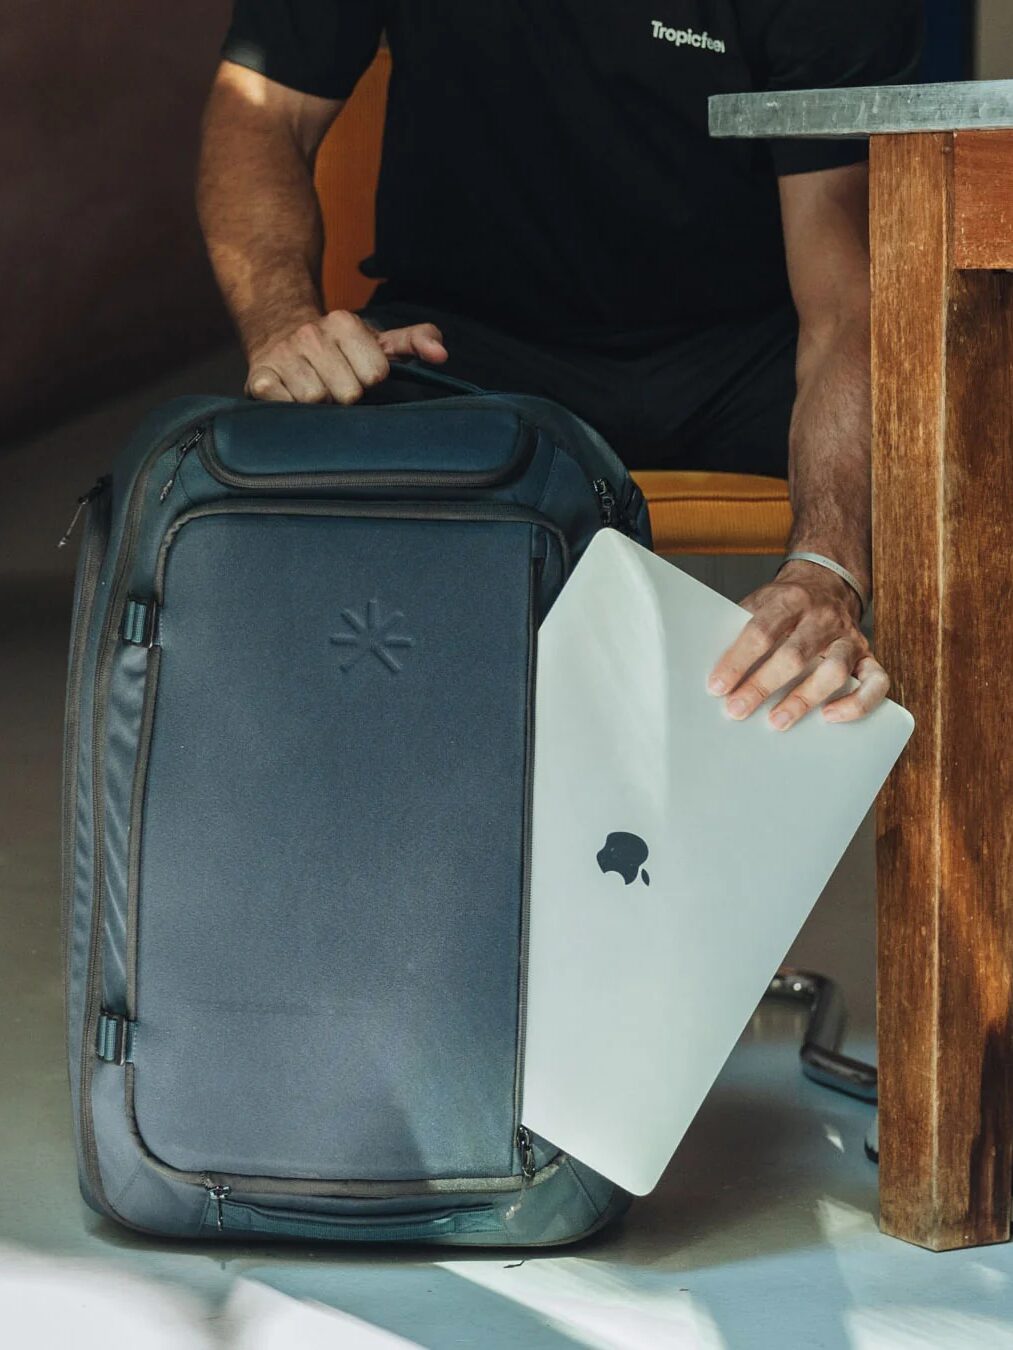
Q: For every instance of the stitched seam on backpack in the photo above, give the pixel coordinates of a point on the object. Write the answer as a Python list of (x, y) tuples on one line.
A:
[(580, 1182), (115, 1200), (548, 477), (182, 485)]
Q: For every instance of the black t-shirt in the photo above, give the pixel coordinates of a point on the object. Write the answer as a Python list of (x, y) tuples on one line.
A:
[(546, 163)]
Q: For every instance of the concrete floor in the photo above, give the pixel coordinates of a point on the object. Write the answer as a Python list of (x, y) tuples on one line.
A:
[(762, 1232)]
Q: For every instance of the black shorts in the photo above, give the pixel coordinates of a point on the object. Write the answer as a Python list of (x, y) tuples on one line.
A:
[(719, 398)]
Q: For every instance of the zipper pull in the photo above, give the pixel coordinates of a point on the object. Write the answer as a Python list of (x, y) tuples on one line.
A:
[(217, 1193), (526, 1151), (606, 500), (193, 439), (100, 485)]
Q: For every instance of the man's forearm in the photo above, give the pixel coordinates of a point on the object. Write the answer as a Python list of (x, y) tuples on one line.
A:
[(829, 469), (807, 611), (261, 219)]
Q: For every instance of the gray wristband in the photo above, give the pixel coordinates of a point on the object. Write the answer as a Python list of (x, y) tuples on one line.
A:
[(836, 567)]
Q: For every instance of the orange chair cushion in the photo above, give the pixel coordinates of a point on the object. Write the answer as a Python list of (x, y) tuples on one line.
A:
[(693, 511)]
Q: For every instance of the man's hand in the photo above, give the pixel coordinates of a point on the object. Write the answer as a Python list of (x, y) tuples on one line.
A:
[(335, 358), (805, 613)]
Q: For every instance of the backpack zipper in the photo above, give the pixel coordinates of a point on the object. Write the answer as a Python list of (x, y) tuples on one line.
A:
[(360, 1190), (605, 493), (194, 439), (98, 487), (424, 510), (218, 1193), (526, 1154)]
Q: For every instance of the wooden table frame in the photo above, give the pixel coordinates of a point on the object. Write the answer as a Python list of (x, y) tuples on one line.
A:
[(941, 233)]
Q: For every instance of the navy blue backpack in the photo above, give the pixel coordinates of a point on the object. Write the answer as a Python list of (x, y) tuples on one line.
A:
[(297, 785)]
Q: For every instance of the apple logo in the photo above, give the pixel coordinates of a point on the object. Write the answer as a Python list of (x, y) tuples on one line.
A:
[(624, 853)]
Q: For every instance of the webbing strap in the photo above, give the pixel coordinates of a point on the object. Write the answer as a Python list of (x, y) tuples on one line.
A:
[(114, 1041)]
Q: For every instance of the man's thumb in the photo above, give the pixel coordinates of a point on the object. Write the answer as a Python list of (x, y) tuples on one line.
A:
[(424, 340), (427, 345)]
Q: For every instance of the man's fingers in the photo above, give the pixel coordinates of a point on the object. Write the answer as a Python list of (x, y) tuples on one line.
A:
[(427, 343), (420, 339), (793, 622), (266, 384), (784, 664), (332, 368), (336, 357), (832, 672), (873, 686), (341, 381), (358, 346), (302, 381), (760, 634), (395, 343)]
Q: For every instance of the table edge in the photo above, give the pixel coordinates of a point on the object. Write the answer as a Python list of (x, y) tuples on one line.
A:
[(857, 113)]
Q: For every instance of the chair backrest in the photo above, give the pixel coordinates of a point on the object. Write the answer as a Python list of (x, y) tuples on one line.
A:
[(347, 168)]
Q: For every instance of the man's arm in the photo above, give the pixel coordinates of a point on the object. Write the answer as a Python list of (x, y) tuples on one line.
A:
[(826, 237), (807, 611), (261, 220)]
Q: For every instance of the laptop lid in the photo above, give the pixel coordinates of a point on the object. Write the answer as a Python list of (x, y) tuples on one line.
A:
[(675, 855)]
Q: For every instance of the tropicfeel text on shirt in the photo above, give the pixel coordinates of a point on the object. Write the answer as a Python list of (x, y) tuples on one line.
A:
[(685, 37)]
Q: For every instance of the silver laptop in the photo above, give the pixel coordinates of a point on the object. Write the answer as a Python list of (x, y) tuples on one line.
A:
[(675, 855)]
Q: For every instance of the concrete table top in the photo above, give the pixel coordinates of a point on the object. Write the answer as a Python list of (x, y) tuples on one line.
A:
[(972, 105)]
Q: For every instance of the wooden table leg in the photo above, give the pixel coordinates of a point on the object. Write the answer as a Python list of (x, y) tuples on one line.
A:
[(943, 561)]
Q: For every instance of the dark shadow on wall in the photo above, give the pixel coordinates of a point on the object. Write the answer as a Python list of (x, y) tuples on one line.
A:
[(103, 276)]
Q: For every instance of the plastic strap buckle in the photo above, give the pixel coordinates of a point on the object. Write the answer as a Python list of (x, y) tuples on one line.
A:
[(114, 1042), (139, 621)]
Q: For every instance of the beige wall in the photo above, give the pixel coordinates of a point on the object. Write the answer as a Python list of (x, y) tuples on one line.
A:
[(103, 279), (994, 54)]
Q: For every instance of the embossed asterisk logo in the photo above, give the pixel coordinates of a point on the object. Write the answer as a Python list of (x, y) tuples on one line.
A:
[(371, 634)]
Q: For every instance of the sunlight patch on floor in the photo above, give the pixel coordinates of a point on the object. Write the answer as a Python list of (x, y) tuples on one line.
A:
[(259, 1318), (906, 1327), (598, 1306)]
